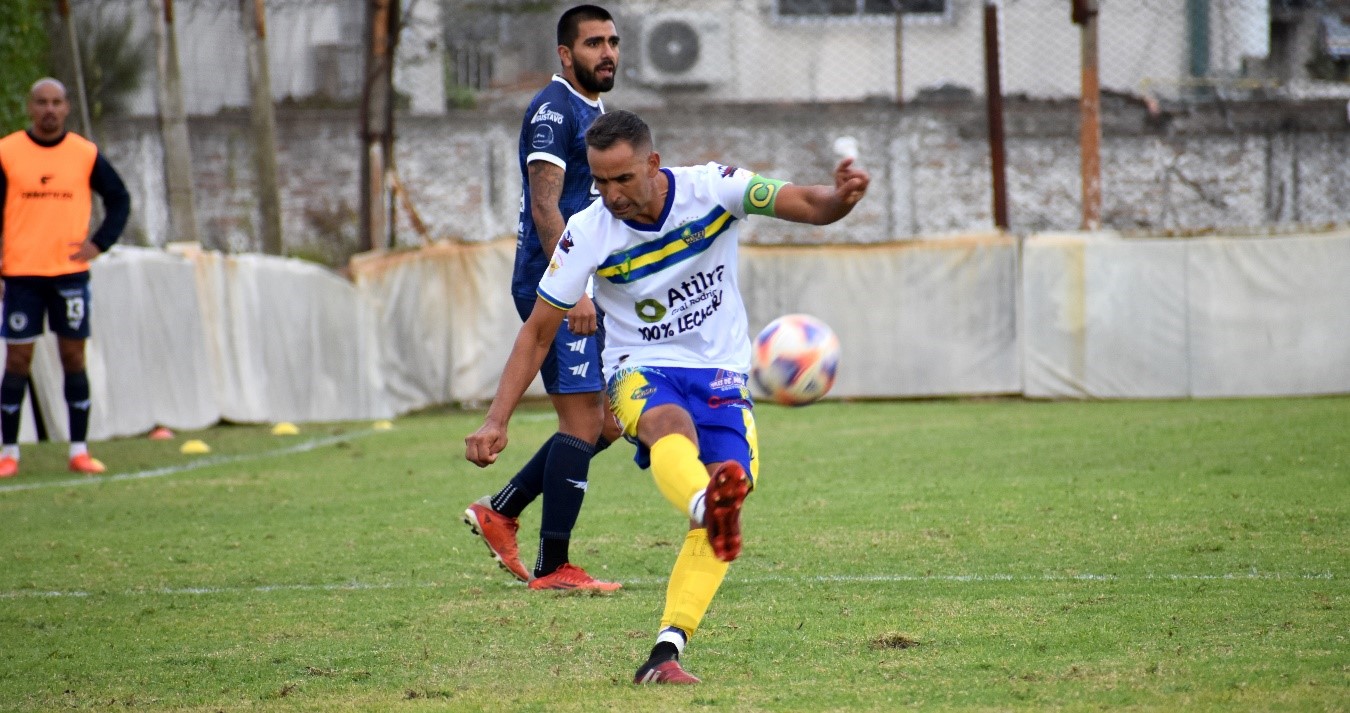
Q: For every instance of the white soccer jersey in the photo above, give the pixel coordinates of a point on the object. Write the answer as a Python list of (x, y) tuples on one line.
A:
[(669, 290)]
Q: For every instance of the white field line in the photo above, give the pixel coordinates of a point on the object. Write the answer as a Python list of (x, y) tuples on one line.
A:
[(767, 579), (190, 466)]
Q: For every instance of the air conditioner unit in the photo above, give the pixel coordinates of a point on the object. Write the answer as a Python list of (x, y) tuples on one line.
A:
[(682, 49)]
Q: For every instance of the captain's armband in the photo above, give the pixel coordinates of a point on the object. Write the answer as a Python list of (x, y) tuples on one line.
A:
[(760, 195)]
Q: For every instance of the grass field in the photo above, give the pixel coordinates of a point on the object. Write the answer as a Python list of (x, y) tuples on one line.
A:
[(984, 555)]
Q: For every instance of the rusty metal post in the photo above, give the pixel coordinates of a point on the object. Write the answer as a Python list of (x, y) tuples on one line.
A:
[(375, 116), (1089, 111), (86, 124), (994, 105)]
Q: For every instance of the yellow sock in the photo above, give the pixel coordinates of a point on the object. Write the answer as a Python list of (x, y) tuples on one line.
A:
[(678, 472), (693, 581)]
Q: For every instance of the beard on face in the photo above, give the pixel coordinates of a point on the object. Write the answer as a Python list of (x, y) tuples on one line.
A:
[(588, 81)]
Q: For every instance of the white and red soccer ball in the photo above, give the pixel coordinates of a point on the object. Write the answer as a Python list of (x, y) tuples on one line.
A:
[(795, 359)]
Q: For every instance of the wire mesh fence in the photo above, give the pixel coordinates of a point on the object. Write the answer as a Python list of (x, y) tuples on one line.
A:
[(466, 58)]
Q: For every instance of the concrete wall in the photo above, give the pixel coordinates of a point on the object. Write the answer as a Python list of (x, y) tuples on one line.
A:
[(1175, 170)]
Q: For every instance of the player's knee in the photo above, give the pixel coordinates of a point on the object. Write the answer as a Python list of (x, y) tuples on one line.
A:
[(664, 420)]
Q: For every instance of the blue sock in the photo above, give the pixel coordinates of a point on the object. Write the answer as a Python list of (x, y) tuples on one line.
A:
[(12, 390), (565, 481), (527, 484), (77, 405)]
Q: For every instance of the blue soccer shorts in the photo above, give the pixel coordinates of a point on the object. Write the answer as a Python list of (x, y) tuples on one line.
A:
[(718, 401), (62, 300), (573, 362)]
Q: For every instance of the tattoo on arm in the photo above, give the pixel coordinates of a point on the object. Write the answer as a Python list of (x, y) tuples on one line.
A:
[(546, 182)]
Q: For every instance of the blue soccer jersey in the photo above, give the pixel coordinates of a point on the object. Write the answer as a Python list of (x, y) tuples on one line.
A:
[(553, 130)]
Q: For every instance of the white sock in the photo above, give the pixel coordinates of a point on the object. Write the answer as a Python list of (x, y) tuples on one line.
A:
[(10, 451), (697, 506), (674, 635), (78, 449)]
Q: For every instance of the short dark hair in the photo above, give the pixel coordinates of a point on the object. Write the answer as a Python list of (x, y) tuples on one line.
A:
[(615, 126), (569, 25)]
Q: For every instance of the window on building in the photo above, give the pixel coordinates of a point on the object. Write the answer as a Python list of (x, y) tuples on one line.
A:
[(809, 9)]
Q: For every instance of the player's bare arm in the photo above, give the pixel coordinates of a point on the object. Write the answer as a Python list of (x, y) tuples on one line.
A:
[(546, 184), (527, 355), (821, 205)]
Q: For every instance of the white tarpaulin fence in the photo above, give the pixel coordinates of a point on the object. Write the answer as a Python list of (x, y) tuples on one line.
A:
[(187, 340)]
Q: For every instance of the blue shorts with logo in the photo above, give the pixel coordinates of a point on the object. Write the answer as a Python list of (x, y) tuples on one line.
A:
[(573, 362), (63, 301), (718, 400)]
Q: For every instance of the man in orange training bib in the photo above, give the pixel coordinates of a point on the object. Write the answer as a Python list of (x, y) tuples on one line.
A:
[(48, 177)]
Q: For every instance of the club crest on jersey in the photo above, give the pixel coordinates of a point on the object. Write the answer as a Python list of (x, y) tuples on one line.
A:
[(727, 171), (693, 236)]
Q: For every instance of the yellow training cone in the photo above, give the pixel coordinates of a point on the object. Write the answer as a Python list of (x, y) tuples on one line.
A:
[(383, 425), (285, 428), (195, 447)]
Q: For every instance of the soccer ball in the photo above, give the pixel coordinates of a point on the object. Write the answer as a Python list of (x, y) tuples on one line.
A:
[(795, 358)]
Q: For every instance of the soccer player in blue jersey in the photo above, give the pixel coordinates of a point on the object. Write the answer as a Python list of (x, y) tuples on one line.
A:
[(557, 185), (661, 247)]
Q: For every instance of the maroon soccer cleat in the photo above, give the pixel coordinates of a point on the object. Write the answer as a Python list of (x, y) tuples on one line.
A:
[(722, 509), (667, 671)]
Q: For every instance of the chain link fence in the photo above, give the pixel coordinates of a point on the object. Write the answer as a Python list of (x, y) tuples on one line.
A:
[(1164, 60)]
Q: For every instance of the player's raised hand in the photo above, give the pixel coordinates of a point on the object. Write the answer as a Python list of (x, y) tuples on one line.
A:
[(482, 446), (850, 181)]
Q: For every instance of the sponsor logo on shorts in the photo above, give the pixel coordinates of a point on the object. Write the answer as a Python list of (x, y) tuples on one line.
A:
[(18, 321), (642, 392), (724, 379), (735, 401)]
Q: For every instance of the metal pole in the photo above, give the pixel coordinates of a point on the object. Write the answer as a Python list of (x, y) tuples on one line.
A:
[(899, 55), (263, 120), (994, 105), (374, 96), (395, 21), (1089, 110), (86, 125)]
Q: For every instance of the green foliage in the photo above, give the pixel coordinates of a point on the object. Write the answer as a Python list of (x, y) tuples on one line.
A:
[(936, 555), (23, 58)]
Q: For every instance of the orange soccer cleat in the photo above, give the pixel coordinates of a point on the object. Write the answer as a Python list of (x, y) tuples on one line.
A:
[(87, 464), (9, 467), (499, 534), (570, 576)]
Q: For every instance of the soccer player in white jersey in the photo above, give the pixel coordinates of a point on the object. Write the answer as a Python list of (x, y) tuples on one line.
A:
[(661, 245)]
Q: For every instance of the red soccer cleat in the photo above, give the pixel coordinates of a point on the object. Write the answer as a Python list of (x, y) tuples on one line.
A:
[(570, 576), (9, 467), (499, 534), (667, 671), (722, 509), (87, 464)]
